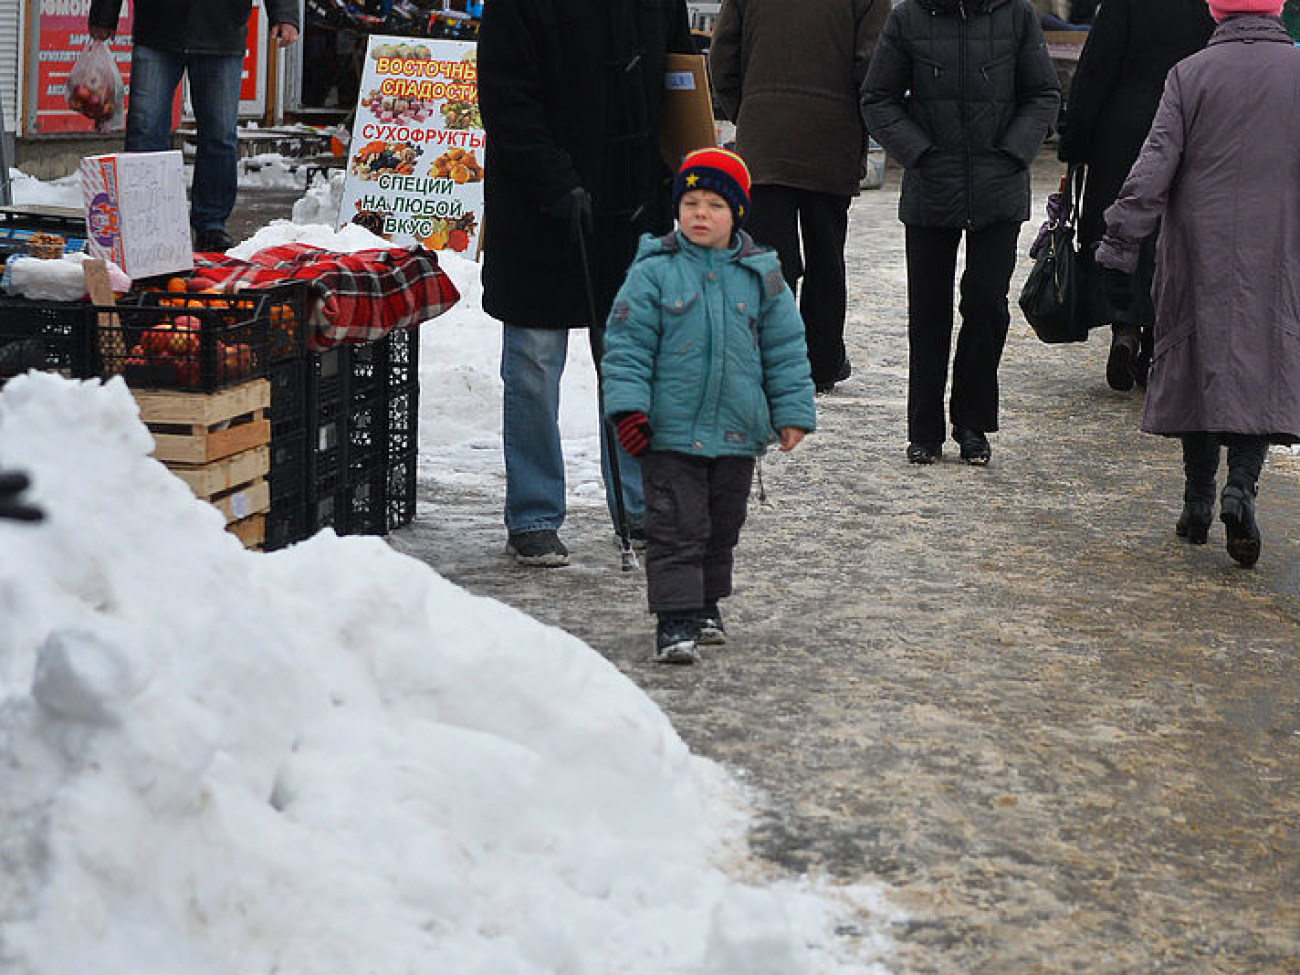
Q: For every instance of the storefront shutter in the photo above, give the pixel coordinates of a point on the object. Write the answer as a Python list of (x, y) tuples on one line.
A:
[(11, 34)]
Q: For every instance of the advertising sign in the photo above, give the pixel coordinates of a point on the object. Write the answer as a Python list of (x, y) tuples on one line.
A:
[(415, 169), (61, 36)]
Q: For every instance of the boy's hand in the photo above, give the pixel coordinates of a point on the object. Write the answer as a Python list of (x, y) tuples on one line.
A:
[(790, 437), (634, 432)]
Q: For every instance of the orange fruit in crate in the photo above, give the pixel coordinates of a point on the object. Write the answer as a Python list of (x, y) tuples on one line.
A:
[(177, 284)]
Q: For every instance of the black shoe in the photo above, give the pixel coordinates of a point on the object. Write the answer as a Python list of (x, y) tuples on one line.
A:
[(711, 631), (1194, 522), (675, 638), (1237, 512), (973, 444), (924, 453), (844, 372), (1121, 365), (541, 548), (213, 240)]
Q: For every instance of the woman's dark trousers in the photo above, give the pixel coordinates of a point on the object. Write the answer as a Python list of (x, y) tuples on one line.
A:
[(780, 216), (985, 318), (695, 507)]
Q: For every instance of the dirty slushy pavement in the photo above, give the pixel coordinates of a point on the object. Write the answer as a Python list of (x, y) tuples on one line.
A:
[(1064, 739)]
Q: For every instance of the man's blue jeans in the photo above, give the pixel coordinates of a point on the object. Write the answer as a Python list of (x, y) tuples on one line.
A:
[(214, 92), (532, 361)]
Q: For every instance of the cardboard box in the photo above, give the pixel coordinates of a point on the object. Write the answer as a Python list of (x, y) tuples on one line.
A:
[(688, 108), (136, 212)]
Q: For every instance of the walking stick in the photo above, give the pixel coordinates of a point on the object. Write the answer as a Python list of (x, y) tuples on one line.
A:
[(628, 557)]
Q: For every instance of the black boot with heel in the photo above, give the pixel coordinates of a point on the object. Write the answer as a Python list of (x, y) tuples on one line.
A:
[(1237, 512), (1194, 522), (1200, 465)]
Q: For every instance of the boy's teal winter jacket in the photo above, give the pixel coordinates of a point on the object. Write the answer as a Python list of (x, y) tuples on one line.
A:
[(709, 345)]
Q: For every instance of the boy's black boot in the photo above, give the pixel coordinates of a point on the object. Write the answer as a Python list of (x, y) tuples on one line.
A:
[(712, 632), (675, 638)]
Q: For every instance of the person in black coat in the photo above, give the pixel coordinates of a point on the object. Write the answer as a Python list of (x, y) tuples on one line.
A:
[(571, 97), (962, 93), (1113, 98)]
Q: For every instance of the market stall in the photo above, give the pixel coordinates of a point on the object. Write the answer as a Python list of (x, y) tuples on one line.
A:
[(283, 389)]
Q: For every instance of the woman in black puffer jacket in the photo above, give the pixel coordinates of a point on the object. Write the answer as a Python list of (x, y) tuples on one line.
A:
[(962, 93)]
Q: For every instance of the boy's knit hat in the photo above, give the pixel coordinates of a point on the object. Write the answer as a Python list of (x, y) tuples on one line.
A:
[(1227, 8), (719, 170)]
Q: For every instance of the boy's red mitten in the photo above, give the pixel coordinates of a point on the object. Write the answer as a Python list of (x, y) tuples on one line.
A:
[(634, 432)]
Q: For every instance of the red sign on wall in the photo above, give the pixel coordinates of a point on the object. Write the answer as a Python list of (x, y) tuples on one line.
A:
[(62, 37)]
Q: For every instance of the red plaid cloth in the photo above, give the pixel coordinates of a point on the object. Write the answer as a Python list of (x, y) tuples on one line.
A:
[(358, 297)]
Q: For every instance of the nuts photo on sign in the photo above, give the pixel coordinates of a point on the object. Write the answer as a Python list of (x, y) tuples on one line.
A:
[(458, 165), (459, 113)]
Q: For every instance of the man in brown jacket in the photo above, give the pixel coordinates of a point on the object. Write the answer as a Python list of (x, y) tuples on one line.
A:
[(788, 74)]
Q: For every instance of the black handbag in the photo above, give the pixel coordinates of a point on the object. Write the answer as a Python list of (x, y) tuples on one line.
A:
[(1052, 298)]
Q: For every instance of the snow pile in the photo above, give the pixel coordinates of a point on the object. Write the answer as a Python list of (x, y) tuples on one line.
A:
[(65, 192), (272, 170), (331, 760), (321, 202)]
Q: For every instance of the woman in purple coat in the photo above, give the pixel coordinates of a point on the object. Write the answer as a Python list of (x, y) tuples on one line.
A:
[(1220, 168)]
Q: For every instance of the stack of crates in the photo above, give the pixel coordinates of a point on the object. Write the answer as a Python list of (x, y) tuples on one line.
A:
[(343, 440)]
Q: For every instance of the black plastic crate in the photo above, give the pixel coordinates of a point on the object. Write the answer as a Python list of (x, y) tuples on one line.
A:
[(399, 499), (289, 308), (403, 357), (288, 412), (286, 522), (48, 336), (288, 475), (192, 342), (381, 499), (402, 434), (367, 433)]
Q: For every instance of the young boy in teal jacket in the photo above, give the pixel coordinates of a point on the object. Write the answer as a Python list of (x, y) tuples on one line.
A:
[(704, 366)]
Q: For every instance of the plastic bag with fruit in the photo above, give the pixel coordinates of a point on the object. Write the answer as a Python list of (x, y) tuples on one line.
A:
[(95, 88)]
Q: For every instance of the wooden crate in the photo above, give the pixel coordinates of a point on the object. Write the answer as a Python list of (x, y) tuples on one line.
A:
[(251, 530), (198, 428), (219, 445)]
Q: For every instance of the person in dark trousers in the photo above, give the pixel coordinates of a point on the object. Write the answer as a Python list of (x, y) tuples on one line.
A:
[(205, 40), (962, 93), (1112, 100), (705, 366), (571, 98), (1220, 172), (790, 80)]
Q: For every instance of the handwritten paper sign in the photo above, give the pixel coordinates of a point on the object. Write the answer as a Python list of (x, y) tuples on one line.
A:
[(415, 172), (136, 213)]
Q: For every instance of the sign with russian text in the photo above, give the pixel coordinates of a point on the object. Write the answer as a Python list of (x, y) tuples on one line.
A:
[(415, 171)]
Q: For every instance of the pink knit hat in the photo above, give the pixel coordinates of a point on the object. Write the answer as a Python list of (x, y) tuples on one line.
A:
[(1227, 8)]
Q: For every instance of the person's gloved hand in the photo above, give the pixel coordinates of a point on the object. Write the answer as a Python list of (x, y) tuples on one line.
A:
[(12, 484), (634, 432), (574, 209)]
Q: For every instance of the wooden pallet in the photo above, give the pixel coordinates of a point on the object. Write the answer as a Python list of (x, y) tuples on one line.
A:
[(198, 428)]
